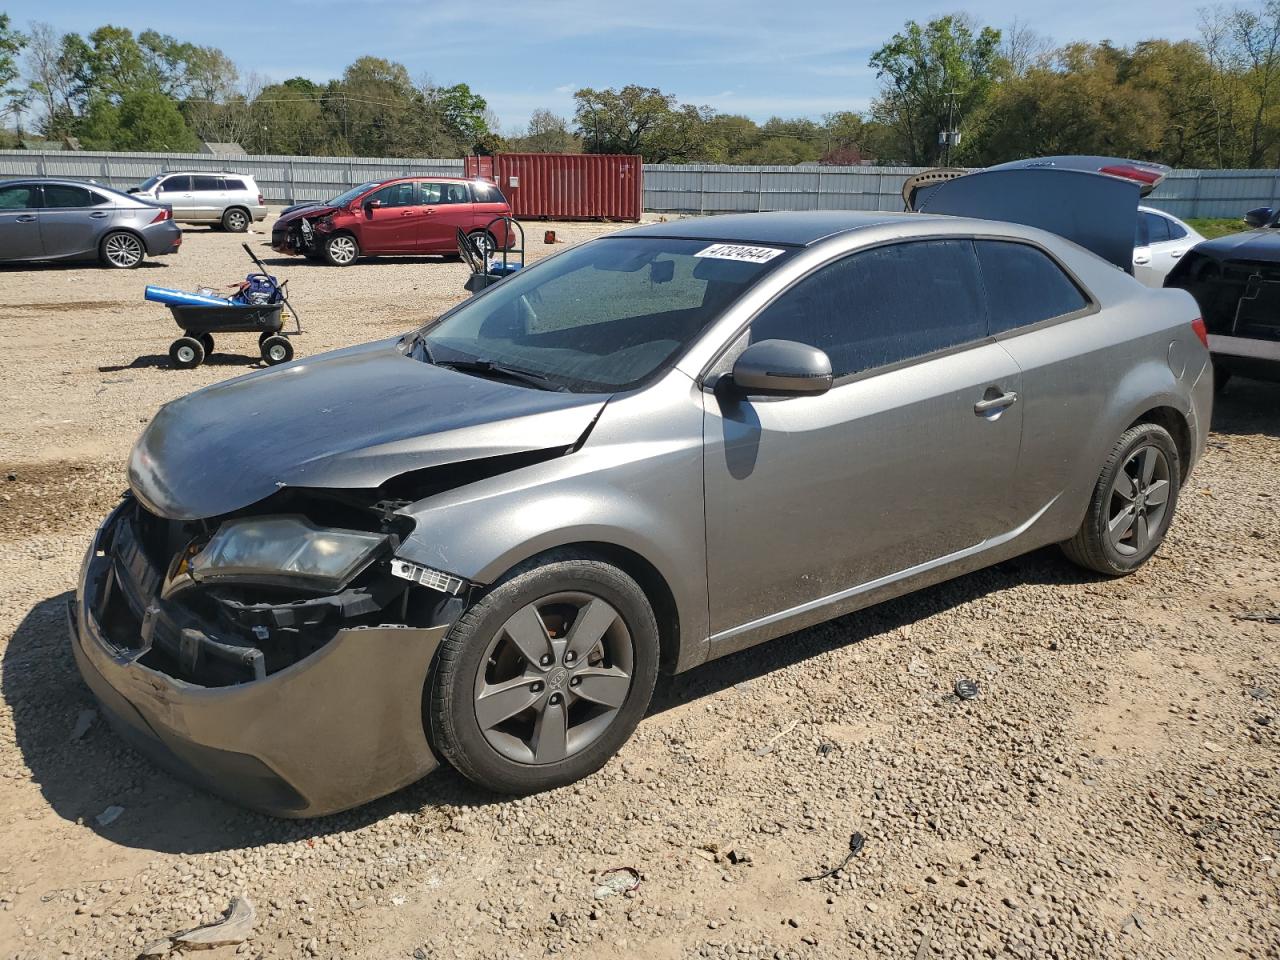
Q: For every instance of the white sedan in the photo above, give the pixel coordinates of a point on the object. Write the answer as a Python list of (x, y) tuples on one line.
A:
[(1159, 242)]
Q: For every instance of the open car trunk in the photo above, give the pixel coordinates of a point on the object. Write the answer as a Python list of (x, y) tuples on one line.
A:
[(1092, 201)]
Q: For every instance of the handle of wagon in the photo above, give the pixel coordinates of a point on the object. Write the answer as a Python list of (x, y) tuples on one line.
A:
[(284, 296)]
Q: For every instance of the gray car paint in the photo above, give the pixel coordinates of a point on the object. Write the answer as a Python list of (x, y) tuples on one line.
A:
[(742, 511), (373, 414), (76, 233)]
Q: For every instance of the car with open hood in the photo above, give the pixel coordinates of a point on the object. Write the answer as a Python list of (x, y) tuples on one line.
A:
[(1236, 281), (479, 543), (403, 215)]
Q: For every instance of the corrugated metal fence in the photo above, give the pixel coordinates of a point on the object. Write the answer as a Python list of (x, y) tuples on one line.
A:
[(668, 188)]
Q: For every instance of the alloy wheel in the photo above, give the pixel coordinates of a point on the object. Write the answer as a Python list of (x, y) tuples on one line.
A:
[(236, 221), (554, 677), (1139, 501), (123, 250), (342, 250)]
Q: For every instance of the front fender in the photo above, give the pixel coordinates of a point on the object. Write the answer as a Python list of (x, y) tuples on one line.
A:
[(635, 484)]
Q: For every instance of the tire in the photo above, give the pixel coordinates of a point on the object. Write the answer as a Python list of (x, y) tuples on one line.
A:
[(121, 250), (1221, 377), (484, 242), (1114, 539), (514, 754), (186, 352), (206, 341), (340, 250), (276, 349), (236, 220)]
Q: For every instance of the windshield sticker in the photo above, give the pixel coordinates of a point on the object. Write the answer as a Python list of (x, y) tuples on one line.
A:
[(737, 251)]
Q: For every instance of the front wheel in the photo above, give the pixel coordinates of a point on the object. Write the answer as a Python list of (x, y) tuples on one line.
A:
[(340, 250), (276, 349), (186, 352), (1132, 505), (542, 680), (484, 244)]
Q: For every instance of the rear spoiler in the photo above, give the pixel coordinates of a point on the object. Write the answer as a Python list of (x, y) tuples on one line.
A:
[(1092, 201)]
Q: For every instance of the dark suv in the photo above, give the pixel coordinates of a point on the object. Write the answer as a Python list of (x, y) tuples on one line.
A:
[(406, 215)]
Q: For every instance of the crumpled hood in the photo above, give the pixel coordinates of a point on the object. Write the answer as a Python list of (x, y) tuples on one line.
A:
[(308, 211), (350, 419), (1262, 244)]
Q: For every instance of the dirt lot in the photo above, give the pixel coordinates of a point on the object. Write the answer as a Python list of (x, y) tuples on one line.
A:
[(1114, 790)]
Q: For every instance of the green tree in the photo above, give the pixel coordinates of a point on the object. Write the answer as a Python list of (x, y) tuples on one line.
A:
[(934, 75), (642, 120), (462, 112), (11, 44), (144, 120), (547, 133)]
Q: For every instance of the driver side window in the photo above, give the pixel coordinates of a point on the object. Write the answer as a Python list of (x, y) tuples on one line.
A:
[(396, 195), (882, 306)]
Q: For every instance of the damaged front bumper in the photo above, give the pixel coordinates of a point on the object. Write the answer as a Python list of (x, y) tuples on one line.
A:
[(336, 729)]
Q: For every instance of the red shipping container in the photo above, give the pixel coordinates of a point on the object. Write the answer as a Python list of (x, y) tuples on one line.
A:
[(566, 186)]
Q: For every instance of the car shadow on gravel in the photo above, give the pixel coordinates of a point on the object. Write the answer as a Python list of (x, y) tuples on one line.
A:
[(1248, 407), (1046, 566), (72, 265), (162, 361), (81, 777)]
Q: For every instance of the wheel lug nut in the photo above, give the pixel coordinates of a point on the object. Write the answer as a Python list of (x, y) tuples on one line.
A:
[(546, 660), (575, 681), (570, 657), (555, 698), (537, 687)]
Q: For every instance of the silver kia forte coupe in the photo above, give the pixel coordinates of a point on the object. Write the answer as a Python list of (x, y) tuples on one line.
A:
[(479, 543)]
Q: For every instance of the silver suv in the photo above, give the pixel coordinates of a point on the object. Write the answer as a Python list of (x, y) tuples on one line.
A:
[(229, 200)]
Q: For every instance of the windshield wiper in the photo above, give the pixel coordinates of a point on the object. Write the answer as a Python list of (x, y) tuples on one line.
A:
[(501, 370)]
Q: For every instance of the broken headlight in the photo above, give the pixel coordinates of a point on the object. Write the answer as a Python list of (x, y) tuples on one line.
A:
[(286, 550)]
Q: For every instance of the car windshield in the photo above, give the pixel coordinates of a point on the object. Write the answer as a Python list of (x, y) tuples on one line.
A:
[(604, 316), (150, 182), (342, 199)]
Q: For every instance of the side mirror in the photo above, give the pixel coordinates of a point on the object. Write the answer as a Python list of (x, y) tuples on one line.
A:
[(1259, 216), (782, 368), (373, 204)]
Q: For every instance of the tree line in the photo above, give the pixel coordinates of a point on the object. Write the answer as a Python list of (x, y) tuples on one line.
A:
[(952, 90)]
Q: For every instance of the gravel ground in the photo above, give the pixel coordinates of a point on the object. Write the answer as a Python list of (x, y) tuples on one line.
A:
[(1113, 790)]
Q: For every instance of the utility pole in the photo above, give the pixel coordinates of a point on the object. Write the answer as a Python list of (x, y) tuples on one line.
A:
[(950, 136)]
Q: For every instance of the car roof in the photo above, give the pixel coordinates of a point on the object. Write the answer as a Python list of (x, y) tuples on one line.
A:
[(192, 173), (787, 228)]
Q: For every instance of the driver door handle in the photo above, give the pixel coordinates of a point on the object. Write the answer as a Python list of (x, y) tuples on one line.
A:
[(25, 218), (98, 216), (995, 403)]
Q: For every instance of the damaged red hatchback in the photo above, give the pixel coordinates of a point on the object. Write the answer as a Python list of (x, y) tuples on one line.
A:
[(405, 215)]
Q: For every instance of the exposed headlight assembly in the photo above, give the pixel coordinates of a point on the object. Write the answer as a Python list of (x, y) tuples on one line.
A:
[(288, 550)]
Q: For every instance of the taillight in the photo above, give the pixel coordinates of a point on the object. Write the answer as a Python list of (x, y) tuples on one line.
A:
[(1129, 172), (164, 214), (1201, 331), (260, 200)]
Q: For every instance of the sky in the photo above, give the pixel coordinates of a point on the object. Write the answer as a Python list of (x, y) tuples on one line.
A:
[(755, 57)]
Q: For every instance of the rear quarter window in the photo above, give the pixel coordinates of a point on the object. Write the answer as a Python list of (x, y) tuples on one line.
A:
[(1024, 285), (230, 183), (487, 193)]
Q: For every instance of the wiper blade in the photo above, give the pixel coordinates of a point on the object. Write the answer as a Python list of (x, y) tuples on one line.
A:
[(502, 370)]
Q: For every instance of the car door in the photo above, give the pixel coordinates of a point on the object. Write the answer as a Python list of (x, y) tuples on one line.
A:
[(388, 219), (1066, 351), (904, 461), (20, 222), (176, 192), (208, 197), (448, 209), (1166, 253), (72, 219)]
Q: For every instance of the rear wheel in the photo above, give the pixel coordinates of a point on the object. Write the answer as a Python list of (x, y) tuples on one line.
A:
[(1132, 504), (483, 243), (121, 250), (341, 250), (235, 220), (276, 349), (542, 680), (206, 341), (186, 352)]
